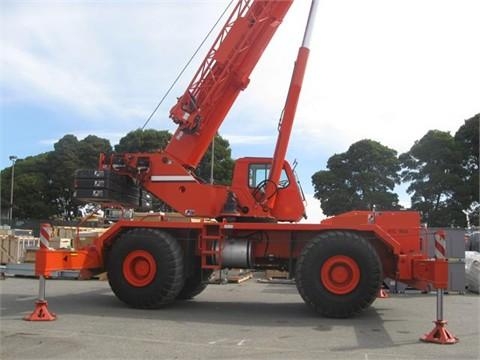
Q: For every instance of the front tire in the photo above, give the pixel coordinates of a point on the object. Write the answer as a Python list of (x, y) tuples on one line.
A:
[(338, 274), (145, 268)]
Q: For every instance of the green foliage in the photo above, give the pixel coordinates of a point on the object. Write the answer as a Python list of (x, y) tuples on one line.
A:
[(222, 163), (43, 184), (152, 140), (143, 141), (32, 197), (433, 168), (90, 149), (467, 140), (442, 172), (68, 156), (358, 179)]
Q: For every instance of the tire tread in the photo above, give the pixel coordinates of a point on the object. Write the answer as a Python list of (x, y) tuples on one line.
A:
[(159, 293), (346, 241)]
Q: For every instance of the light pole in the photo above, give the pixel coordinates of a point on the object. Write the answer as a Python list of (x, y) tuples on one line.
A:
[(12, 158)]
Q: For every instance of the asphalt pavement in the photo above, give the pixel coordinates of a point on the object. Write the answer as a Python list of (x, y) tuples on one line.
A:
[(250, 320)]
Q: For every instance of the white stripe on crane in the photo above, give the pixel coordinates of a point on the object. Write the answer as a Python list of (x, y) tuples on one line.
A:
[(168, 178)]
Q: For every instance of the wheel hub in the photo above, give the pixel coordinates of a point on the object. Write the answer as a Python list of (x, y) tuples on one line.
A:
[(139, 268), (340, 274)]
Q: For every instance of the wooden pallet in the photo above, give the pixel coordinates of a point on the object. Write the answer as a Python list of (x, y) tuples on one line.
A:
[(239, 278), (276, 274)]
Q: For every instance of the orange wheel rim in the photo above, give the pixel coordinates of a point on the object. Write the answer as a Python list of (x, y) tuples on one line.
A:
[(340, 274), (139, 268)]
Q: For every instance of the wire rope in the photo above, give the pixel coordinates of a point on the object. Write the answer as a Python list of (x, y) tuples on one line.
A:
[(186, 65)]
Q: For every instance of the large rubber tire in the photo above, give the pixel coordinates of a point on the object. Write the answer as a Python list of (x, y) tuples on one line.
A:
[(195, 284), (145, 268), (338, 274)]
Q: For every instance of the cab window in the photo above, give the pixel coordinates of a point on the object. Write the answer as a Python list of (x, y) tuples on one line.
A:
[(258, 173)]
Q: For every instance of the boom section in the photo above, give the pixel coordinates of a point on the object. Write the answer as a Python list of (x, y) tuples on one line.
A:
[(286, 123), (224, 72)]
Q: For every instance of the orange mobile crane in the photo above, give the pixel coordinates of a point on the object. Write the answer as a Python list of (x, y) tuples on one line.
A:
[(338, 265)]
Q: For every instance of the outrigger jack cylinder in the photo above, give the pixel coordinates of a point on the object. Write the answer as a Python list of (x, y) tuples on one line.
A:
[(41, 312), (440, 334)]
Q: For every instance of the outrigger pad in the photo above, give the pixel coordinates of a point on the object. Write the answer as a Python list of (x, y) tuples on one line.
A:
[(41, 313), (440, 334)]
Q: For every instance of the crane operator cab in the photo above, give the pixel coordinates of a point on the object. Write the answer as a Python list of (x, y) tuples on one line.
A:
[(257, 197)]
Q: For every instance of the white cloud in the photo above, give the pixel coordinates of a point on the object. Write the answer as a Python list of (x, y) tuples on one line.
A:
[(313, 210), (377, 70), (248, 139), (38, 75), (108, 60), (48, 142), (388, 71)]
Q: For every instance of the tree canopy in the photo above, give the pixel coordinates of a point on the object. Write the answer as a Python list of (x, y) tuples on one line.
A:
[(358, 179), (43, 184), (432, 167), (152, 140), (467, 139), (143, 141), (443, 174), (441, 171), (222, 163)]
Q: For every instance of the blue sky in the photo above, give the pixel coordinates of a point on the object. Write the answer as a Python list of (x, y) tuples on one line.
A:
[(384, 70)]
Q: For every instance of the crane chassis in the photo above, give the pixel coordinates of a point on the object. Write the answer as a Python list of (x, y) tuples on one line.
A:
[(338, 264)]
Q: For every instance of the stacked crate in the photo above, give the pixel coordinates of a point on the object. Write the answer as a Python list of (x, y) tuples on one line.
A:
[(14, 247), (74, 237)]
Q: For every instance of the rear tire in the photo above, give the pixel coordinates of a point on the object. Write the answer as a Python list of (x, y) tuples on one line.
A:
[(145, 268), (196, 283), (338, 274)]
